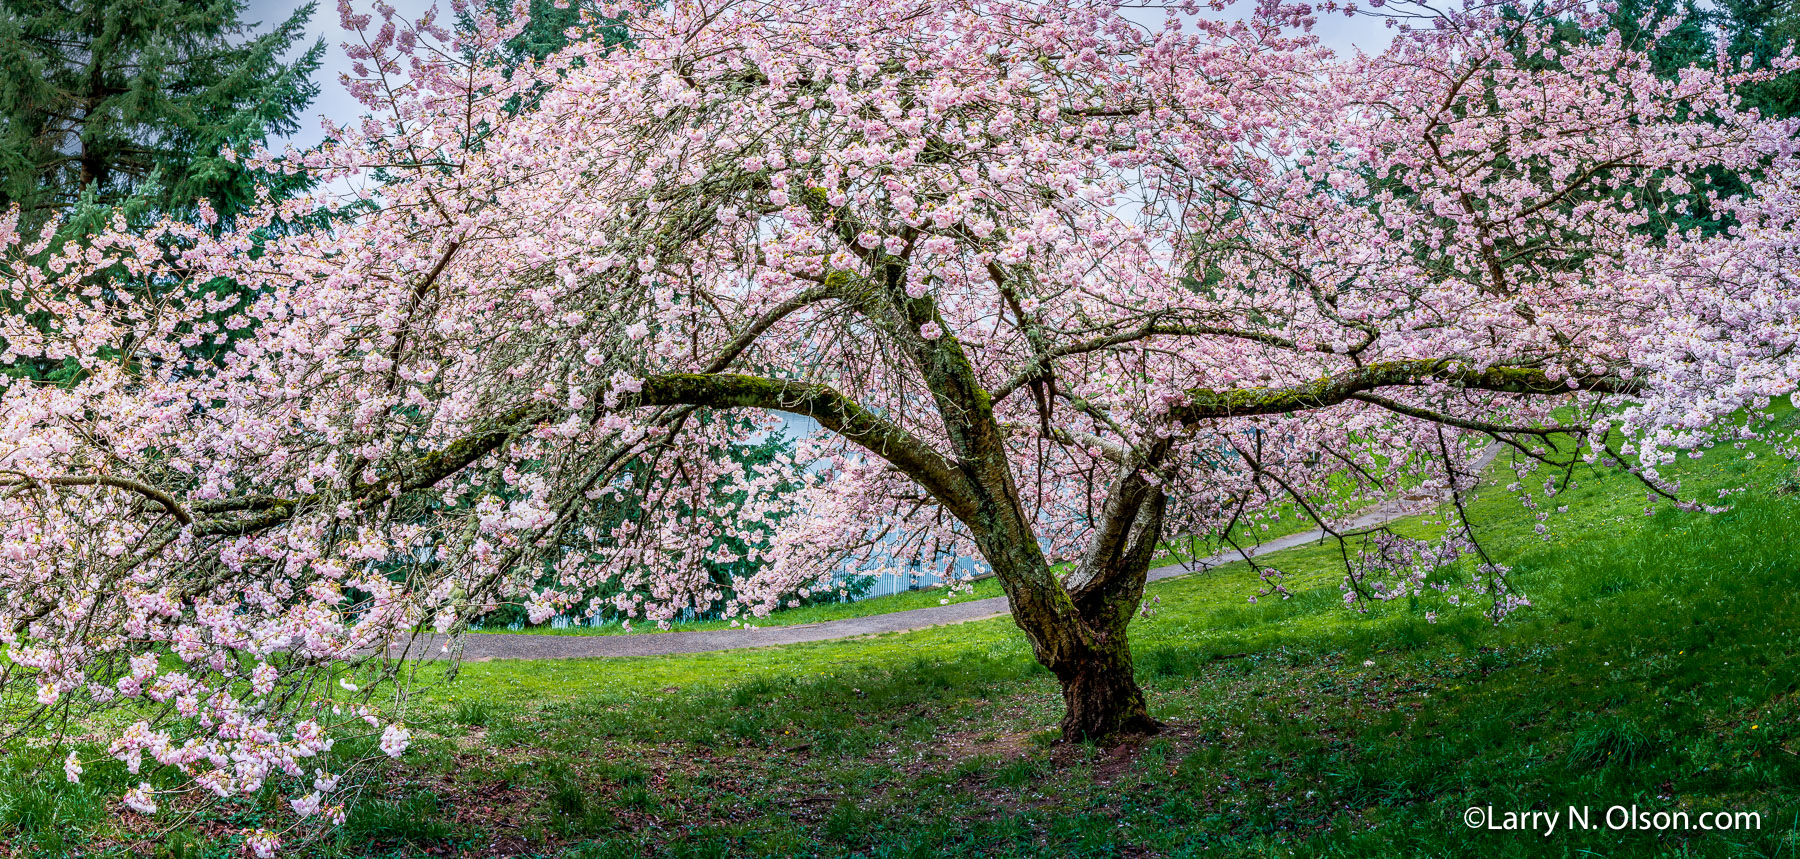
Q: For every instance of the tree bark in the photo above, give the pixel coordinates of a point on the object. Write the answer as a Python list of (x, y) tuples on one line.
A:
[(1082, 641), (1102, 702), (1077, 625), (1101, 697)]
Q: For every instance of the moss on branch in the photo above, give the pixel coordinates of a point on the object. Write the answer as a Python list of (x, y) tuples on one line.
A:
[(834, 411), (1207, 404)]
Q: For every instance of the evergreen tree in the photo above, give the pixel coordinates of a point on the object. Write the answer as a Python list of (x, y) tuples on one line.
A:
[(550, 24), (1759, 30), (126, 104)]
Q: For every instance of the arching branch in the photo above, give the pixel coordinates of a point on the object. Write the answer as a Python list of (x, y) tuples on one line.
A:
[(421, 473), (1208, 404), (834, 411), (163, 499), (826, 290)]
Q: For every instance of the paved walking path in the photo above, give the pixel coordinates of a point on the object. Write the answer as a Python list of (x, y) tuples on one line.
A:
[(484, 646)]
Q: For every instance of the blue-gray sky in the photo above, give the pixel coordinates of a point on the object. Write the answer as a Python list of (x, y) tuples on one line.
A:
[(333, 101)]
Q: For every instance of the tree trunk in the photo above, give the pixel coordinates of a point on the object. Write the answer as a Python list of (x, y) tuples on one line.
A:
[(1077, 624), (1101, 698)]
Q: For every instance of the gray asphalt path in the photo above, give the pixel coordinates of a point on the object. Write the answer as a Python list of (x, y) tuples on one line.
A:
[(479, 647)]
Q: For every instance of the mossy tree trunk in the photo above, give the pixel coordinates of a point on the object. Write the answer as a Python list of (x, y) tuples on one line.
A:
[(1101, 698)]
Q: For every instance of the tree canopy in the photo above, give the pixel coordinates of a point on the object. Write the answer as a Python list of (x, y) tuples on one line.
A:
[(1057, 283)]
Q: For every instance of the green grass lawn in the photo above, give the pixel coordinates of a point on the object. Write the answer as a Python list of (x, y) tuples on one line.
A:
[(1657, 667)]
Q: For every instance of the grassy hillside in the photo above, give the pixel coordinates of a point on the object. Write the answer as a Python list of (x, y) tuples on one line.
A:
[(1658, 667)]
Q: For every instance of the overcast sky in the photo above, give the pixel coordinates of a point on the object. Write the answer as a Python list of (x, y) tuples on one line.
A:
[(1336, 31)]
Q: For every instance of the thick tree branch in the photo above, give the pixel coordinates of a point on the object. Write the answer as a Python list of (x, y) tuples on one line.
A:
[(1208, 404), (834, 411), (163, 499)]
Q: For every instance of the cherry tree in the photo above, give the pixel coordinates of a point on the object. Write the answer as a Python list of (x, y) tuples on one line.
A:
[(1060, 286)]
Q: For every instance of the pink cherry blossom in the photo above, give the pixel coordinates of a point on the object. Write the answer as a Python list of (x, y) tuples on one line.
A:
[(394, 741), (139, 799)]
